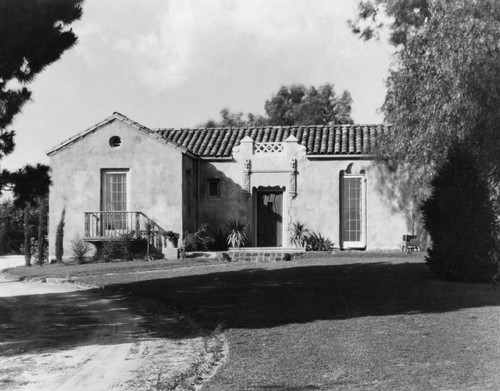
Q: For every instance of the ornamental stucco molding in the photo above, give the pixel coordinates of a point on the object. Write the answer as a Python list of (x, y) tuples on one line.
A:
[(293, 179), (246, 178)]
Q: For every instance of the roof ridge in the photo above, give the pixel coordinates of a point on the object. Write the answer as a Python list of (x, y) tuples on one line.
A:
[(268, 126)]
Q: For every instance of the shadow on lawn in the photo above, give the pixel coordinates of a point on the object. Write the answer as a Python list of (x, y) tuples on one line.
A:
[(251, 298), (260, 298)]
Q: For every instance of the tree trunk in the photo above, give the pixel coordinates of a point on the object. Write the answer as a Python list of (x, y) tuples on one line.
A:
[(27, 246), (41, 231)]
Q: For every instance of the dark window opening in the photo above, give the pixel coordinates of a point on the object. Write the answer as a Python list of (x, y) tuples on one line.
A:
[(213, 188)]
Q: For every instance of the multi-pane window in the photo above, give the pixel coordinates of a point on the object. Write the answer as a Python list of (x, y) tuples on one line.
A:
[(352, 210), (115, 199)]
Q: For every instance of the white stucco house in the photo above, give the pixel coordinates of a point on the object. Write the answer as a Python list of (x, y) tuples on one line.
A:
[(117, 175)]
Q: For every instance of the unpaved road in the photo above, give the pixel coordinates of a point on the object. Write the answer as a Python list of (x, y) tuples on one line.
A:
[(62, 337)]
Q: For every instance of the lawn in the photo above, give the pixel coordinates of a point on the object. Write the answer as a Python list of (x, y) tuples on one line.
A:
[(352, 321)]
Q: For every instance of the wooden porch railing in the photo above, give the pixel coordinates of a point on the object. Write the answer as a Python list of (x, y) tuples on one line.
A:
[(102, 226)]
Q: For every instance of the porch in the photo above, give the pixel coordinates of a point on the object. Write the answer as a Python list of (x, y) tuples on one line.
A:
[(104, 226)]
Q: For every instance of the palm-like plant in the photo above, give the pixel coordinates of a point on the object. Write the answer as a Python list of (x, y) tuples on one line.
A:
[(236, 235), (300, 233)]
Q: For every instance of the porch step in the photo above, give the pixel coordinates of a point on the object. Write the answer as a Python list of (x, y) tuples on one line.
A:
[(265, 254)]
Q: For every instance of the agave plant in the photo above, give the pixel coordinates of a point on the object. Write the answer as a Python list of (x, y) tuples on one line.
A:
[(317, 242), (300, 233), (236, 235)]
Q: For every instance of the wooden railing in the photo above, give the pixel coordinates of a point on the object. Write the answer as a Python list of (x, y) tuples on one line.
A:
[(122, 225)]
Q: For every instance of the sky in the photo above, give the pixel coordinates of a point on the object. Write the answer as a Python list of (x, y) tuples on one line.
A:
[(177, 63)]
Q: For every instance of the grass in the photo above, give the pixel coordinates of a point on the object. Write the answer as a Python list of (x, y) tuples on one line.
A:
[(344, 322), (102, 270)]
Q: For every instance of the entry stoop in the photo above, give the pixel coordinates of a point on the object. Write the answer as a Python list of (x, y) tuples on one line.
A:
[(265, 254)]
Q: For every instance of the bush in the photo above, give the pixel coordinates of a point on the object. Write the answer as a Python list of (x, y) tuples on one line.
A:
[(36, 252), (317, 242), (299, 235), (80, 249), (126, 248), (200, 240), (219, 243), (460, 218)]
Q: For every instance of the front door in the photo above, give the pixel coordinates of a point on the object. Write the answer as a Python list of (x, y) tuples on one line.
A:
[(269, 218)]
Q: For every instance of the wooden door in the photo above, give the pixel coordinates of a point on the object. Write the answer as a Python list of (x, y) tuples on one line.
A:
[(269, 218)]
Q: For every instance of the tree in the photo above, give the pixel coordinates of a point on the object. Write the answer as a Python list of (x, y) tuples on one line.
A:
[(60, 237), (33, 35), (229, 119), (445, 89), (461, 220), (295, 105), (402, 17), (11, 220), (30, 188)]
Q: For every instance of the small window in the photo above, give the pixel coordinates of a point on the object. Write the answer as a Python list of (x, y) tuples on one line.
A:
[(115, 142), (213, 188)]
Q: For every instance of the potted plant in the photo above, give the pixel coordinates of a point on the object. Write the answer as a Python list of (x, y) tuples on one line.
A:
[(172, 239)]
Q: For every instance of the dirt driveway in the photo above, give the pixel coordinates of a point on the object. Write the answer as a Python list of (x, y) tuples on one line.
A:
[(62, 337)]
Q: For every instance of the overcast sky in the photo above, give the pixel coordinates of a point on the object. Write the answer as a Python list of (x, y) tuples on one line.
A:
[(176, 63)]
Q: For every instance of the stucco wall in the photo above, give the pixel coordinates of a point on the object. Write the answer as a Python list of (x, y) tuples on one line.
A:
[(317, 202), (154, 180), (189, 194), (230, 204)]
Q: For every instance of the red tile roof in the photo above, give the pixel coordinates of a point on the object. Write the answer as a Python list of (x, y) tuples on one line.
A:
[(318, 140)]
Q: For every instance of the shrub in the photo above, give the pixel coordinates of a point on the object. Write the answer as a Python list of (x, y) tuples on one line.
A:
[(60, 237), (80, 249), (125, 248), (236, 235), (36, 252), (220, 243), (317, 242), (460, 218), (287, 257), (300, 234), (201, 240)]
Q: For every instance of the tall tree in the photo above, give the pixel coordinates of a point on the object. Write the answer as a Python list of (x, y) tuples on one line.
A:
[(229, 119), (298, 105), (461, 220), (445, 89), (30, 188), (33, 35), (402, 17), (295, 105)]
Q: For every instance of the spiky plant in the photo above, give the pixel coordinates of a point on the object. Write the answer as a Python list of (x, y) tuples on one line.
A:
[(318, 242), (300, 233), (236, 235)]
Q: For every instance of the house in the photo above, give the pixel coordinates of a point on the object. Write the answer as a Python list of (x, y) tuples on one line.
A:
[(118, 176)]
